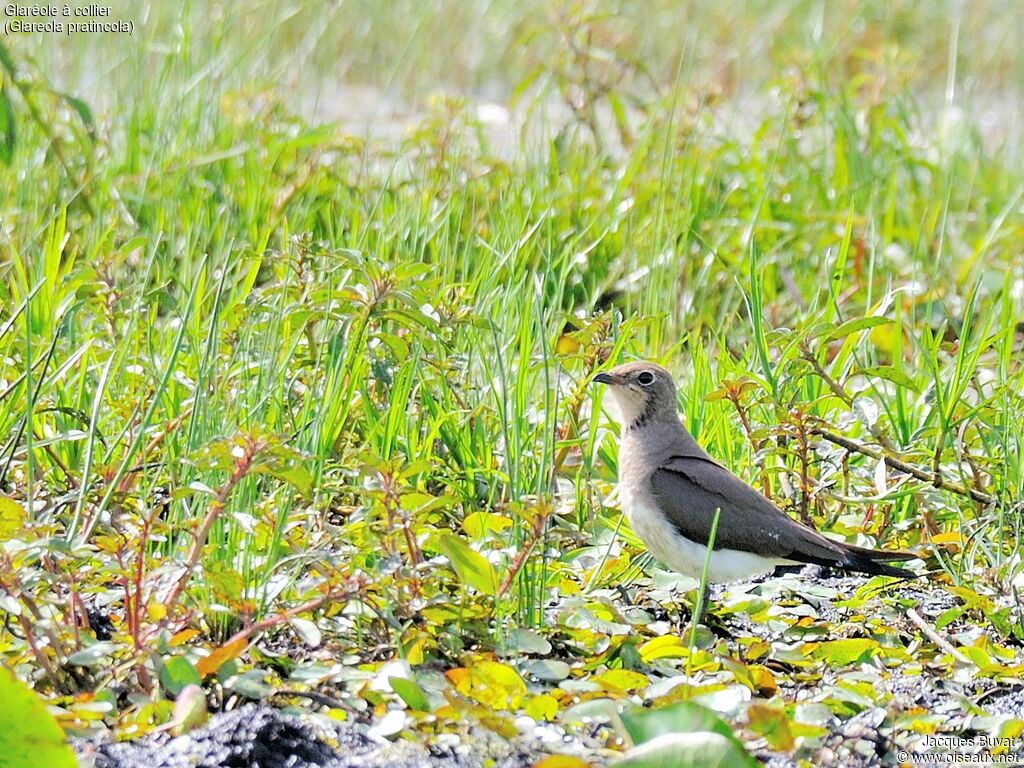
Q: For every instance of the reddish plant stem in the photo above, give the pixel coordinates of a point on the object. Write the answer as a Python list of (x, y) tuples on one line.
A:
[(243, 465), (805, 480), (77, 610), (26, 627), (393, 507), (69, 478), (129, 614), (135, 612), (733, 396), (520, 560), (354, 587), (13, 586)]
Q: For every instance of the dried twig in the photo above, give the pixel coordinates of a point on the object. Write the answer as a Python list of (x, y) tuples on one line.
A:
[(935, 637), (901, 466)]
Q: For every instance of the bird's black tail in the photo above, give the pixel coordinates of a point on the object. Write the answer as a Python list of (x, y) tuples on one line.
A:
[(875, 561)]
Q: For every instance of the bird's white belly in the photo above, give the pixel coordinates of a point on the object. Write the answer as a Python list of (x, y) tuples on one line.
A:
[(685, 556)]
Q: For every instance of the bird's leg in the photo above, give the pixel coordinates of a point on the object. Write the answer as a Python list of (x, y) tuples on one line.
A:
[(717, 626), (675, 610), (624, 594), (701, 600), (680, 615), (696, 604)]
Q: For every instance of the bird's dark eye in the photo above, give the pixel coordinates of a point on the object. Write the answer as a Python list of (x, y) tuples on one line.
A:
[(646, 378)]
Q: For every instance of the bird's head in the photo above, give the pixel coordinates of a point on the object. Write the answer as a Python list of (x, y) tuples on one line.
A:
[(643, 392)]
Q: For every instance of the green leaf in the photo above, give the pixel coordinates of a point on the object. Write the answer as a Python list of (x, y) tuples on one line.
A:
[(252, 684), (857, 324), (890, 373), (29, 734), (176, 673), (295, 475), (286, 464), (948, 616), (225, 582), (522, 640), (842, 652), (683, 717), (190, 710), (410, 693), (472, 567), (553, 670), (701, 749)]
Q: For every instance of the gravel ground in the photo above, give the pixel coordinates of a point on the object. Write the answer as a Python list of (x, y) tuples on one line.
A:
[(258, 736)]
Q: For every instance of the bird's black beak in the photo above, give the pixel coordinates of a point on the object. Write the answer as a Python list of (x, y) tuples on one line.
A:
[(604, 378)]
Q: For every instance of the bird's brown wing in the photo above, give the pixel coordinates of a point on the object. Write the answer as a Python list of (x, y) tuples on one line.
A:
[(689, 488)]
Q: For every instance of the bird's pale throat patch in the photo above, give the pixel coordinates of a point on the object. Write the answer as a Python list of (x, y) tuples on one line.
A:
[(644, 416)]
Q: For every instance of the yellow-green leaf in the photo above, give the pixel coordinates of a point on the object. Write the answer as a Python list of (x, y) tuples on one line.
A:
[(663, 647), (621, 680), (857, 324), (12, 517), (542, 707), (472, 567), (772, 723), (29, 735), (479, 523), (978, 657), (843, 652), (411, 693), (491, 683)]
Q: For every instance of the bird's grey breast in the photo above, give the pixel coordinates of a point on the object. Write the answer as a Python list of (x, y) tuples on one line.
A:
[(636, 464)]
